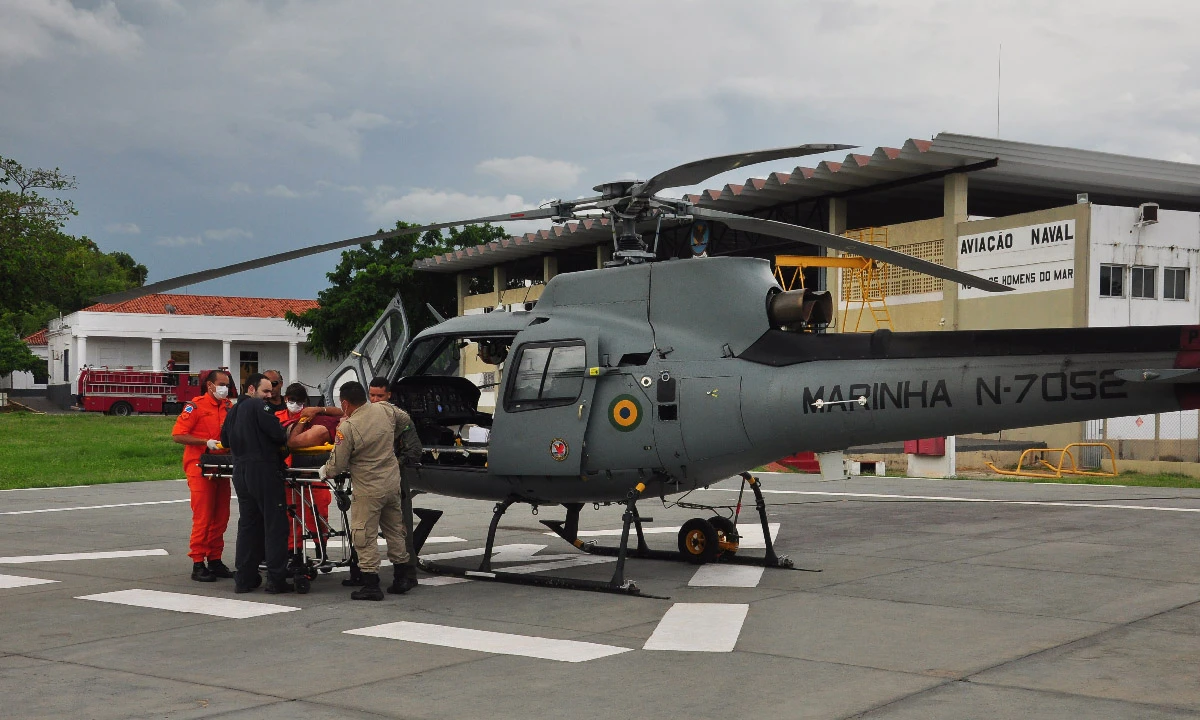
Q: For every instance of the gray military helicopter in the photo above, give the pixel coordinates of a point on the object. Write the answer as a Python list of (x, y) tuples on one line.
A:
[(612, 388)]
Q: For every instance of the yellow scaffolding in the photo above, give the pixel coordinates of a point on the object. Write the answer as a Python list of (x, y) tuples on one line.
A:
[(1066, 463), (863, 274)]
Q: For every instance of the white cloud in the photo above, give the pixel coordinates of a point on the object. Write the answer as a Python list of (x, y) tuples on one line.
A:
[(228, 234), (123, 229), (222, 236), (436, 206), (178, 241), (281, 191), (527, 171), (45, 28)]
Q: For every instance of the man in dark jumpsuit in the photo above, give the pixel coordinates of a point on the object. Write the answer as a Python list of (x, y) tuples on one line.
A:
[(254, 435)]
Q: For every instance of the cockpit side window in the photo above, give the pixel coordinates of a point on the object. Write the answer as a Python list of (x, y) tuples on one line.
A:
[(546, 375)]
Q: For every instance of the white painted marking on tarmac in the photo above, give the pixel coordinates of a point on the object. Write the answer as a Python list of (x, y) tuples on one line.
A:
[(16, 581), (24, 559), (946, 498), (441, 580), (431, 540), (699, 627), (198, 604), (491, 642), (516, 552), (93, 507), (752, 535), (575, 561), (746, 576)]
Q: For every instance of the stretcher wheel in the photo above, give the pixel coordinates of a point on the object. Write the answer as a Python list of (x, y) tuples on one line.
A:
[(303, 584), (725, 532), (326, 569), (698, 541)]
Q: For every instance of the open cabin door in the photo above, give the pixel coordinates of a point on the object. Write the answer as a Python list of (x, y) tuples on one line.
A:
[(543, 405), (378, 353)]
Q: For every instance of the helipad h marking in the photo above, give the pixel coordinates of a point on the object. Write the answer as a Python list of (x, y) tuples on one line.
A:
[(16, 581), (25, 559), (699, 627), (197, 604), (491, 642)]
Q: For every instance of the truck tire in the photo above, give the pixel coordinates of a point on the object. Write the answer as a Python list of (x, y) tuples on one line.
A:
[(121, 409)]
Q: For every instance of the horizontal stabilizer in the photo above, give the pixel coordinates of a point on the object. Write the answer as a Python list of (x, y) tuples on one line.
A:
[(1160, 375)]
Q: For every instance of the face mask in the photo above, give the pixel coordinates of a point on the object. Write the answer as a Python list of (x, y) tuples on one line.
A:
[(294, 407), (221, 392)]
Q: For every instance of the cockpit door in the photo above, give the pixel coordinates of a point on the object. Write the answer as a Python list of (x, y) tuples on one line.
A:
[(545, 401), (378, 353)]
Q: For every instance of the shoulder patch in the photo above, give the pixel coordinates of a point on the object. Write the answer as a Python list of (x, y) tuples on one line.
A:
[(340, 437), (188, 407)]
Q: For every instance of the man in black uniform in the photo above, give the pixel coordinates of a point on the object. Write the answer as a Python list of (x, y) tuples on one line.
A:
[(254, 435)]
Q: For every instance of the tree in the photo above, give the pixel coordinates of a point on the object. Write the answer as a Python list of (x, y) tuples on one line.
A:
[(15, 355), (43, 270), (367, 278)]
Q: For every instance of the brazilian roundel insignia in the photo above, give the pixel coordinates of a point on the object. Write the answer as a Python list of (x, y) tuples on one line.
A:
[(559, 449), (625, 413)]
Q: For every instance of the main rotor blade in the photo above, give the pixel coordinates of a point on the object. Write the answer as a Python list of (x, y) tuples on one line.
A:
[(203, 275), (701, 170), (837, 242)]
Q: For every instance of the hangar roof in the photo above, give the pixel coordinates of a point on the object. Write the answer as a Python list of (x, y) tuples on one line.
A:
[(894, 185)]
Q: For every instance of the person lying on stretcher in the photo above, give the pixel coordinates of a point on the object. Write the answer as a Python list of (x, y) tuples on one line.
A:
[(307, 427)]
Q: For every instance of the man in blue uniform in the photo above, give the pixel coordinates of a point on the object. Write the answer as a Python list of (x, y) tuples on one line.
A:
[(254, 435)]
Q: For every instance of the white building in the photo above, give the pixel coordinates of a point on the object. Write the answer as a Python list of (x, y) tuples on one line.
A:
[(191, 332)]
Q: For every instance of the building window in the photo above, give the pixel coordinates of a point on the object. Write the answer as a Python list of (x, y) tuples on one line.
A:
[(247, 364), (181, 360), (1175, 283), (1112, 281), (1141, 282), (547, 375)]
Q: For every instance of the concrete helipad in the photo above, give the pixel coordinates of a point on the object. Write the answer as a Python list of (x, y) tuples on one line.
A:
[(934, 599)]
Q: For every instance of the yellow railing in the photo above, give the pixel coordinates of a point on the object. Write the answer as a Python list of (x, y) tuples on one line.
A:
[(1065, 456)]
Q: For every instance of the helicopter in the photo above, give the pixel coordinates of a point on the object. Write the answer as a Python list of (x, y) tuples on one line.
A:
[(613, 387)]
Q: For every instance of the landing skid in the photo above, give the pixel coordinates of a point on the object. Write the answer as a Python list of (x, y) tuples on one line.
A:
[(569, 530)]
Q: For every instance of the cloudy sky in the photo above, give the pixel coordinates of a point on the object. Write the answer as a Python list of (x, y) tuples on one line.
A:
[(208, 132)]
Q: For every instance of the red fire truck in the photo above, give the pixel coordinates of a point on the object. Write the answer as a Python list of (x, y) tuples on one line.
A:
[(124, 392)]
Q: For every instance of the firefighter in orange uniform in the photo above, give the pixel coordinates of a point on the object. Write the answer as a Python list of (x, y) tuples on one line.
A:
[(199, 429)]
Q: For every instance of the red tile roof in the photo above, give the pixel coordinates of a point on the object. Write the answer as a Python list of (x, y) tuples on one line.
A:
[(38, 338), (206, 305)]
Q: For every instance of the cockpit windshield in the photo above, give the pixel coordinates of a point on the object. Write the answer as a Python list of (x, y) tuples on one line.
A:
[(443, 354)]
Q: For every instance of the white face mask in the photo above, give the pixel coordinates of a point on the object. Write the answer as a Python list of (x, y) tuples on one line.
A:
[(221, 392), (294, 407)]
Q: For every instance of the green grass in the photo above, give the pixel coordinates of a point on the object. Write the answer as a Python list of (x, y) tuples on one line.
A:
[(86, 449)]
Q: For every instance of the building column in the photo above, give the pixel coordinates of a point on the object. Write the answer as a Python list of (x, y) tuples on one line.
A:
[(156, 354), (293, 357), (954, 211), (832, 277), (604, 253), (461, 285), (549, 267), (225, 354), (499, 281), (80, 356)]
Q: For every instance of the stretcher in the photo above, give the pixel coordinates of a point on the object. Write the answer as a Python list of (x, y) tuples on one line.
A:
[(317, 544)]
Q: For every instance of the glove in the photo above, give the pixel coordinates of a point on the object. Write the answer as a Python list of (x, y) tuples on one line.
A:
[(321, 473), (213, 444)]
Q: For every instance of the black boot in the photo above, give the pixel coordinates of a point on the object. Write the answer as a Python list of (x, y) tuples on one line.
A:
[(240, 586), (200, 573), (370, 589), (356, 577), (404, 578), (218, 569)]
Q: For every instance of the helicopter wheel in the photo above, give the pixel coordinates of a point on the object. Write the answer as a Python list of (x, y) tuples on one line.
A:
[(725, 532), (698, 541)]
